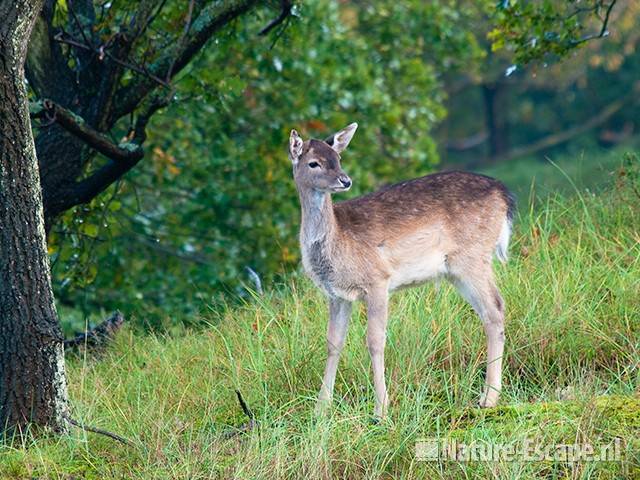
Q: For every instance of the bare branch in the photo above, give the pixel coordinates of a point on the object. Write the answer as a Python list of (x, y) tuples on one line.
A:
[(287, 5), (101, 51), (86, 190), (605, 22), (97, 337), (100, 431), (74, 124), (250, 425)]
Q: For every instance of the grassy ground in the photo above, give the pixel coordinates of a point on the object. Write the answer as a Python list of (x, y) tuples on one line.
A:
[(572, 288)]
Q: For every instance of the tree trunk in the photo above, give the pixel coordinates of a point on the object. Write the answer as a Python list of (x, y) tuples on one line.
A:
[(33, 388), (495, 118)]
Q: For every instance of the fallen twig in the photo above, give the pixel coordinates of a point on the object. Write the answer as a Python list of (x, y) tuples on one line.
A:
[(244, 406), (100, 431), (99, 336)]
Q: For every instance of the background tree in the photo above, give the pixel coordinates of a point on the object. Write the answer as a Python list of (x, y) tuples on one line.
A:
[(32, 378), (542, 105)]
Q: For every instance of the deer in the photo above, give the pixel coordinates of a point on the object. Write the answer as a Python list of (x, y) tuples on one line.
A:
[(446, 225)]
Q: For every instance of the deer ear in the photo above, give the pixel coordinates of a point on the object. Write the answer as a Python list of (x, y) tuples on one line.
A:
[(295, 147), (340, 140)]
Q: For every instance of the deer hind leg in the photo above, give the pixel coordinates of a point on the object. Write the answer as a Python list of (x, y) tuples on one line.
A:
[(339, 314), (478, 287)]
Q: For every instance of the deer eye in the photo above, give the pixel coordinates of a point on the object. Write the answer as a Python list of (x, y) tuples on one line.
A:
[(314, 165)]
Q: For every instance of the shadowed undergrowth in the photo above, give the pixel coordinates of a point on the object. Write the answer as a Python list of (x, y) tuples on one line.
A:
[(571, 374)]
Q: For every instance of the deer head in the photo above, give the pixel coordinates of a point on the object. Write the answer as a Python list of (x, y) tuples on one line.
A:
[(316, 163)]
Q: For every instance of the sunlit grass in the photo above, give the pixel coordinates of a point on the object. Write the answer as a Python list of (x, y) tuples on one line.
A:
[(572, 288)]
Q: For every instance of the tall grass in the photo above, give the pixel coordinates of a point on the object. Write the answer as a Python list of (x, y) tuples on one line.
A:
[(572, 288)]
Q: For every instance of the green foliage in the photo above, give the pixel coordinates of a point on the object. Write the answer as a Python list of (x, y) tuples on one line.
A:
[(571, 289), (214, 194), (537, 29)]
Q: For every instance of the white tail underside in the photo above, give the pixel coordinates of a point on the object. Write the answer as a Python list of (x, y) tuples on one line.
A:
[(502, 246)]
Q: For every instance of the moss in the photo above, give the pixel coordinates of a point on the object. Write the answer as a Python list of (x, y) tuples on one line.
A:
[(13, 465), (620, 410), (76, 118), (607, 416)]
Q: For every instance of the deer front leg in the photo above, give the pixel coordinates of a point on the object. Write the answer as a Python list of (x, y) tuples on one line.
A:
[(339, 314), (377, 301)]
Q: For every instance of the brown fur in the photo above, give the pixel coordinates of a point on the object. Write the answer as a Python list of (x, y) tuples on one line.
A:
[(441, 225)]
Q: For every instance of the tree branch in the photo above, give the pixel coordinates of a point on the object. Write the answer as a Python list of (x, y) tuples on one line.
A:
[(74, 124), (246, 427), (101, 431), (286, 6), (213, 17), (86, 190), (605, 22), (97, 337), (102, 52)]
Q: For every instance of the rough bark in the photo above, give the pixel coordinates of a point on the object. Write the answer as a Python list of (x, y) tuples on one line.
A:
[(33, 388)]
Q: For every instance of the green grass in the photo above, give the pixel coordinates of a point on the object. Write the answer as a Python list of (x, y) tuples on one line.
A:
[(572, 289), (585, 168)]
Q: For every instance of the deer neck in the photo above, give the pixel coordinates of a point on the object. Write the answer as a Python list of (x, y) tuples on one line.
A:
[(318, 220)]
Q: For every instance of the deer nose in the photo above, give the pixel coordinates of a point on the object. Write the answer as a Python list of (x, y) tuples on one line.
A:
[(345, 181)]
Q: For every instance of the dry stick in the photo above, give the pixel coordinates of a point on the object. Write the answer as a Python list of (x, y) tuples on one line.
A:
[(244, 407), (100, 431), (605, 22), (251, 424)]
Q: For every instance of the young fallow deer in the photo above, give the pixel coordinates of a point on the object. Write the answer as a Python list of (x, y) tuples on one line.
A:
[(446, 225)]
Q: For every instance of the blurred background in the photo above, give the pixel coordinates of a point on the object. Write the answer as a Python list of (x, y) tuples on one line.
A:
[(433, 85)]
